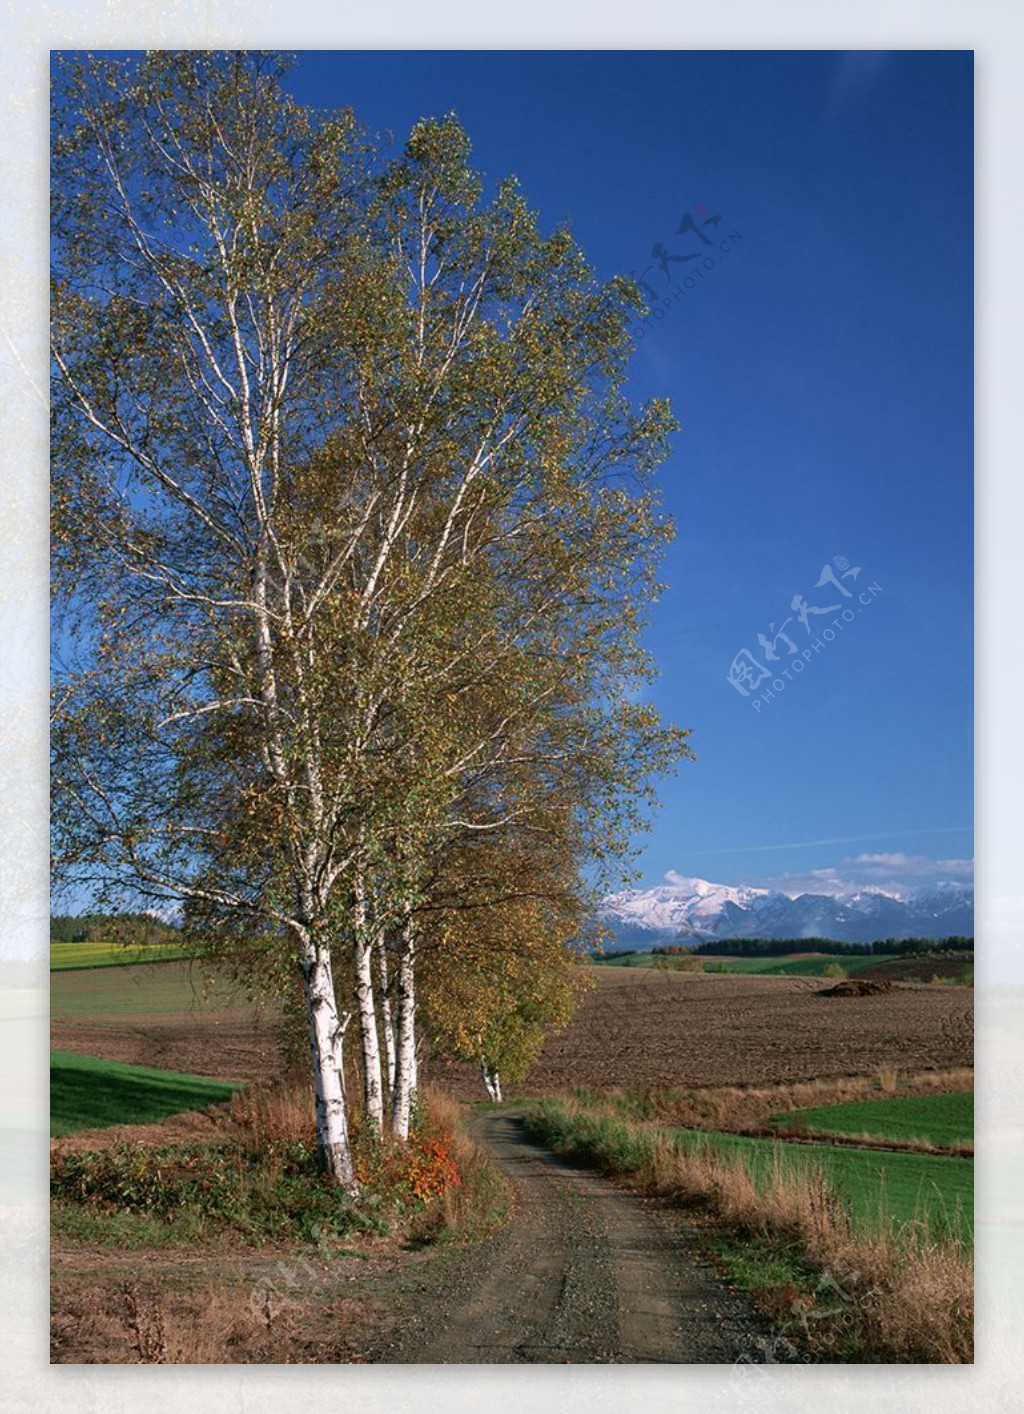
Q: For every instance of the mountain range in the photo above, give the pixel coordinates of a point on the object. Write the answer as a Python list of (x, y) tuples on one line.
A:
[(696, 911)]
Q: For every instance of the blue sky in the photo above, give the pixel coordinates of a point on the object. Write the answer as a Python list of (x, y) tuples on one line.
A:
[(822, 371)]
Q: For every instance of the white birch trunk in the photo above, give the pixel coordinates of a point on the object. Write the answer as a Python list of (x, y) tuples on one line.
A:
[(386, 1018), (373, 1089), (334, 1154), (405, 1069), (492, 1082), (414, 1048)]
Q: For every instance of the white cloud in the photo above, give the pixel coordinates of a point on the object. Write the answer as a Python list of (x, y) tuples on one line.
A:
[(917, 866), (815, 881), (894, 874)]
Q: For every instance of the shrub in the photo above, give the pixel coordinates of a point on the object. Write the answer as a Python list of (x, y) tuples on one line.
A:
[(278, 1196), (260, 1180), (405, 1175)]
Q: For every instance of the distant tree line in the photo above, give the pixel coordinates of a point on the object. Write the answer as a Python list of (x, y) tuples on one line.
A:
[(111, 927), (779, 947)]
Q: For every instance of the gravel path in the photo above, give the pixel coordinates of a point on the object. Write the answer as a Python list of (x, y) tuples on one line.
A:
[(583, 1273)]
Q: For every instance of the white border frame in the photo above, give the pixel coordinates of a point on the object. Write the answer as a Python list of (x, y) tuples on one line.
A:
[(994, 29)]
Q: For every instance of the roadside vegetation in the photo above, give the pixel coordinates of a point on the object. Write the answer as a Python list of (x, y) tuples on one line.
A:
[(762, 1109), (292, 1269), (256, 1179), (880, 1190), (786, 1228)]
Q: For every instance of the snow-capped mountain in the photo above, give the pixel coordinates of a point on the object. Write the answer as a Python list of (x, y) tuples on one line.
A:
[(689, 906), (694, 910)]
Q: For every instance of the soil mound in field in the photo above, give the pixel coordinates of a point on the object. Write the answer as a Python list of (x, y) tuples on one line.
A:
[(857, 987)]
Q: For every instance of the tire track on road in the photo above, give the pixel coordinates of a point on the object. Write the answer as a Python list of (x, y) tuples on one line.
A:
[(585, 1272)]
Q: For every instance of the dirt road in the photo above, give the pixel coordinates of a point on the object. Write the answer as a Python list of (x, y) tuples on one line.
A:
[(583, 1273)]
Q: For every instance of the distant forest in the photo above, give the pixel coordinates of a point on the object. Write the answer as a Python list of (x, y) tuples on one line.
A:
[(111, 928), (779, 947), (144, 928)]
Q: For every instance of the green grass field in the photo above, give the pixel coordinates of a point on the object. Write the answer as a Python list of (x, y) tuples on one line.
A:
[(68, 956), (90, 1094), (745, 966), (943, 1120), (882, 1188), (791, 967), (164, 989)]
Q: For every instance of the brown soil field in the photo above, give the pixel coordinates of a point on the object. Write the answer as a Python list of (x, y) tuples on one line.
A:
[(634, 1027), (160, 1015), (660, 1029), (232, 1047)]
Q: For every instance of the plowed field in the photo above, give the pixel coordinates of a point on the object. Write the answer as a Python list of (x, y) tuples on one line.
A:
[(666, 1029), (634, 1027)]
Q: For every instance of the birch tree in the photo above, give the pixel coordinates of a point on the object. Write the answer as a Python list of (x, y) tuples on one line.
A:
[(501, 961), (353, 536)]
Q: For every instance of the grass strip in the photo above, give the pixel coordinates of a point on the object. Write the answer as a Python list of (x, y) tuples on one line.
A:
[(942, 1120), (73, 957)]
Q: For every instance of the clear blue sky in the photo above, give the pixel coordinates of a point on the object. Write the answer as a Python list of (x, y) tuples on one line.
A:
[(822, 371)]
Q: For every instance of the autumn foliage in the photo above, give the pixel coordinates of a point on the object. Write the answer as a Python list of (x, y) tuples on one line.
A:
[(416, 1171)]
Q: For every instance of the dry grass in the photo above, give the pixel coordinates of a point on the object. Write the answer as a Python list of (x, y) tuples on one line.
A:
[(794, 1134), (161, 1332), (909, 1297), (278, 1113), (155, 1321)]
